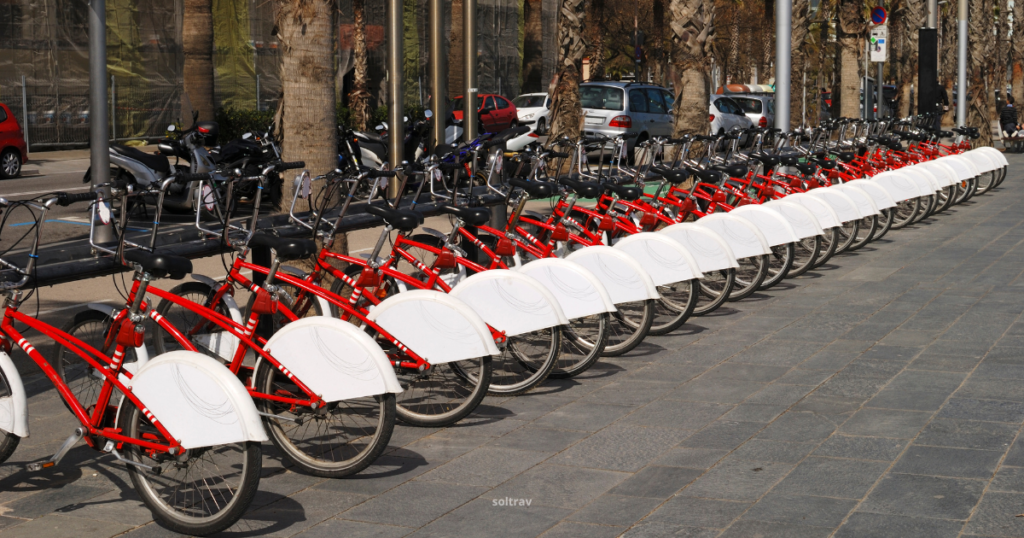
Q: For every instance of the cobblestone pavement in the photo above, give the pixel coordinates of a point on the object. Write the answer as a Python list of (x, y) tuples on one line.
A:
[(879, 396)]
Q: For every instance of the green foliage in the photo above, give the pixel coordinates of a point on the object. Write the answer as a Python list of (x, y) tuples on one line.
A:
[(378, 116), (233, 123)]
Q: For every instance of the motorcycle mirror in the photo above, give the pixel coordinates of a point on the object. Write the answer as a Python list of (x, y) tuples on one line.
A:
[(379, 127), (171, 128), (246, 136), (428, 114)]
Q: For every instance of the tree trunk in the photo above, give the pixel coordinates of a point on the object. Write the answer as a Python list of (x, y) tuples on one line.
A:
[(767, 39), (595, 48), (977, 106), (797, 59), (657, 41), (911, 17), (566, 111), (947, 70), (197, 46), (455, 53), (850, 35), (693, 39), (991, 62), (1017, 53), (359, 97), (305, 30), (533, 47)]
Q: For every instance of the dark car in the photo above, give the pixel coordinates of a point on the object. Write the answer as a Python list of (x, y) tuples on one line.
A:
[(13, 151)]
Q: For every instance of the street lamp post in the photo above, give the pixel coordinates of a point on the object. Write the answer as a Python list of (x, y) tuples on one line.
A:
[(783, 38), (99, 134)]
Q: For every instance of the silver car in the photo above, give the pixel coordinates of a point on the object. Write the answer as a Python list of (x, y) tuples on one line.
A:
[(614, 108), (760, 108)]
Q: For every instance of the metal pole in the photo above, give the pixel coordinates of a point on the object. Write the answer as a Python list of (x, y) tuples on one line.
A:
[(257, 93), (803, 98), (438, 71), (961, 63), (99, 134), (469, 105), (880, 85), (24, 111), (396, 123), (113, 108), (933, 14), (865, 90), (783, 37)]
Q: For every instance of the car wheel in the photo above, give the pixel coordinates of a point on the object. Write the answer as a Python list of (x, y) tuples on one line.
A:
[(541, 127), (631, 155), (10, 164)]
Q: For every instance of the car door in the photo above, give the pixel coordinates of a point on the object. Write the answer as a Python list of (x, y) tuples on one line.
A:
[(660, 117), (638, 110), (488, 114), (7, 130), (506, 112)]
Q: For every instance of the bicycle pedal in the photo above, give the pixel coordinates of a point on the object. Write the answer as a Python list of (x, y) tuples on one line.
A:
[(68, 443)]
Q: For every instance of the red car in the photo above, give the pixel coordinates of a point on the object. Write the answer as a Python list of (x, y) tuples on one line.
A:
[(13, 152), (496, 113)]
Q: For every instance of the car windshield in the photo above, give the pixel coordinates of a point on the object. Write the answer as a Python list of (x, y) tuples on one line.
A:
[(529, 101), (601, 97), (457, 103), (749, 106)]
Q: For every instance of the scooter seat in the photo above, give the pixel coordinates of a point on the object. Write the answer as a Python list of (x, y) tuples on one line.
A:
[(158, 163)]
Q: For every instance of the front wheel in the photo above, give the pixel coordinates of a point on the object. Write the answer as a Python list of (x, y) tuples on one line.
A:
[(847, 235), (201, 491), (525, 362), (8, 441), (904, 212), (749, 276), (829, 242), (884, 224), (675, 306), (715, 288), (805, 252), (338, 440), (583, 342), (443, 394), (780, 263), (865, 231), (630, 324)]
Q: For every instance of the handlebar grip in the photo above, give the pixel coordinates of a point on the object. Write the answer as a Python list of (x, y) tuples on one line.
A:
[(592, 139), (450, 166), (188, 178), (558, 154), (628, 136), (64, 199), (281, 167), (381, 173)]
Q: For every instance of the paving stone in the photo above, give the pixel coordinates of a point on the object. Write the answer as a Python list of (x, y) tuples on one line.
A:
[(867, 525), (755, 412), (779, 394), (558, 485), (830, 360), (583, 416), (886, 423), (846, 385), (693, 512), (354, 529), (931, 361), (839, 478), (799, 427), (539, 439), (465, 522), (485, 466), (677, 414), (987, 410), (861, 448), (775, 451), (619, 510), (968, 434), (296, 513), (723, 434), (943, 461), (656, 482), (738, 480), (48, 500), (660, 530), (924, 496), (996, 516), (766, 529), (421, 502), (629, 392), (724, 391), (572, 529), (801, 510), (694, 458), (1008, 480), (914, 400), (61, 525), (621, 448)]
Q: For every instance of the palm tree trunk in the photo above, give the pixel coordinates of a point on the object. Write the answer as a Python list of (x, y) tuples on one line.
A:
[(767, 39), (911, 17), (947, 73), (693, 37), (455, 53), (305, 30), (797, 59), (1017, 52), (596, 30), (197, 46), (732, 67), (533, 48), (657, 41), (977, 106), (566, 111), (359, 98), (850, 35)]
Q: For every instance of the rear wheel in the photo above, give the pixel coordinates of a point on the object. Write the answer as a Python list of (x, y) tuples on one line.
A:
[(202, 491), (443, 394), (525, 361), (904, 212), (89, 326), (865, 231), (583, 342), (884, 224), (10, 164), (675, 306), (629, 326), (337, 440), (847, 235), (715, 288), (805, 252), (829, 242), (928, 204), (749, 276), (208, 337), (986, 181), (780, 263)]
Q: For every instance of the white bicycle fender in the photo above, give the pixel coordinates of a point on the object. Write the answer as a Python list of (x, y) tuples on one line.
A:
[(942, 172), (707, 247), (577, 290), (665, 260), (744, 239), (841, 203), (510, 302), (776, 229), (435, 326), (963, 168), (864, 203), (827, 217), (899, 185), (197, 400), (995, 154), (624, 278), (107, 309), (879, 196), (334, 359), (802, 221), (203, 279), (925, 180), (982, 161), (14, 406)]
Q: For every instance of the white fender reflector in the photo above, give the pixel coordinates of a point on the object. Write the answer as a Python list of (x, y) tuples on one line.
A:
[(707, 247), (578, 291), (664, 259), (198, 400), (624, 278), (435, 326), (511, 302)]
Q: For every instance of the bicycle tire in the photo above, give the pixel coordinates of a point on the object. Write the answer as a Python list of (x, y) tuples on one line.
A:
[(805, 252), (246, 459), (630, 324), (750, 274), (74, 371), (884, 224), (270, 381), (780, 262), (675, 306), (847, 235), (904, 212), (927, 205), (829, 242), (986, 181), (445, 413), (516, 371), (865, 231), (576, 344), (8, 441), (715, 287), (181, 318)]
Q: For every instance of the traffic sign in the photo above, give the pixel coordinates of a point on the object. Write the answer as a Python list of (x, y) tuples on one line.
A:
[(878, 15), (879, 43)]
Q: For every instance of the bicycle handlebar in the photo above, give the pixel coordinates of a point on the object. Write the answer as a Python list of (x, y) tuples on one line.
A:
[(281, 167), (64, 199)]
